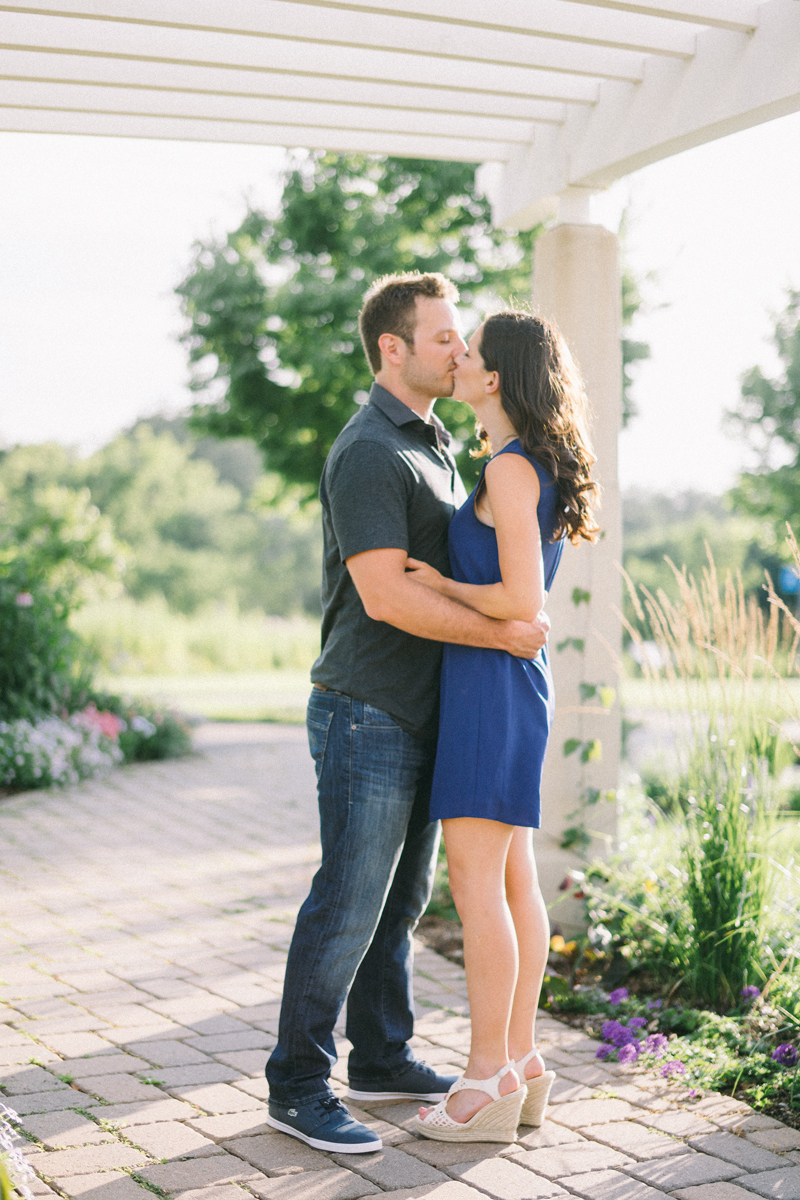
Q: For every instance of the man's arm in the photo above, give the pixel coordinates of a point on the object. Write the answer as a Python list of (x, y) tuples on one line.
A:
[(389, 594)]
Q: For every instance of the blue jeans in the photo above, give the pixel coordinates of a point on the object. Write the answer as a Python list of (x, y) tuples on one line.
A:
[(354, 931)]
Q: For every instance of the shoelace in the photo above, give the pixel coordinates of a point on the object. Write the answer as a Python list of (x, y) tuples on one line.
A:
[(330, 1103)]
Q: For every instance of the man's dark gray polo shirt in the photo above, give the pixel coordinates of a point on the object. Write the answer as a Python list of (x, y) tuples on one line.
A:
[(390, 482)]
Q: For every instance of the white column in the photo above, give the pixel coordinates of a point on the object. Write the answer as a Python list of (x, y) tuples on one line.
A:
[(576, 284)]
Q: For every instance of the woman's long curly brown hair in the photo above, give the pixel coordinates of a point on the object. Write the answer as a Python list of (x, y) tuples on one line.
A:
[(543, 396)]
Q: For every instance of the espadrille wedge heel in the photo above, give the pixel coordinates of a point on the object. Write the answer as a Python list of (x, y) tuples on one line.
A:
[(537, 1092), (495, 1122)]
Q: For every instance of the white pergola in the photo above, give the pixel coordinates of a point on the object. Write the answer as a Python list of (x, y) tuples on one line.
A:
[(555, 98)]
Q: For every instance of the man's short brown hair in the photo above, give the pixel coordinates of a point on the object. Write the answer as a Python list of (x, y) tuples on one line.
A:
[(390, 307)]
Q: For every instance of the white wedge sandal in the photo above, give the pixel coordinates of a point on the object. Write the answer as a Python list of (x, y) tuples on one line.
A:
[(537, 1091), (495, 1122)]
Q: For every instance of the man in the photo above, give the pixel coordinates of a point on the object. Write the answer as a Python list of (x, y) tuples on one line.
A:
[(388, 491)]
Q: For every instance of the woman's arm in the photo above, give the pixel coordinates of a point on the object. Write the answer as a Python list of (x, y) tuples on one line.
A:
[(512, 488)]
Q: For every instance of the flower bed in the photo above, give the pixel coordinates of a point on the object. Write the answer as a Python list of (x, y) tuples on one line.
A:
[(751, 1052), (58, 751)]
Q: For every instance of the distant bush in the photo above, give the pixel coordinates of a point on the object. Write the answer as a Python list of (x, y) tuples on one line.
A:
[(147, 638), (44, 668)]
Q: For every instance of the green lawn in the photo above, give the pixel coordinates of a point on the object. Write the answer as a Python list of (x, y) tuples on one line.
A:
[(223, 696)]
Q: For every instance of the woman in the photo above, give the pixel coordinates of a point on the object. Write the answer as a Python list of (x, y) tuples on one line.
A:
[(505, 546)]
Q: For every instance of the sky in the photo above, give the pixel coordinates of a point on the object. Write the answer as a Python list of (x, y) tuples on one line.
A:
[(96, 232)]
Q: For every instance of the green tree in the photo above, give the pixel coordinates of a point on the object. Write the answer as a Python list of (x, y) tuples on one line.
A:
[(768, 416), (273, 309)]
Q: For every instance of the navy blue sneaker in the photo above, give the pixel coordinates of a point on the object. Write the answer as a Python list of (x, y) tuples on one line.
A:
[(418, 1082), (324, 1124)]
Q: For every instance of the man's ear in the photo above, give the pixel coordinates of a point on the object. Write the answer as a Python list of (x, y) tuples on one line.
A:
[(391, 347)]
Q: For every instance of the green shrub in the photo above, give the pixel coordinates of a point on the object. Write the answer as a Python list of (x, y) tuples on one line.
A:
[(147, 732), (44, 668)]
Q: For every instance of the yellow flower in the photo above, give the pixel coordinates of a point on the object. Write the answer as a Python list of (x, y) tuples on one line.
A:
[(557, 943)]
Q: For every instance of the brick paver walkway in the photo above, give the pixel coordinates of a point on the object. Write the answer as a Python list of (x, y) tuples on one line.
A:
[(145, 925)]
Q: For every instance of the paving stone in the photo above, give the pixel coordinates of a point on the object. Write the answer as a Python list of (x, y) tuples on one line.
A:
[(679, 1124), (335, 1183), (505, 1180), (259, 1088), (108, 1185), (131, 1035), (444, 1154), (576, 1158), (591, 1075), (178, 1177), (75, 1045), (25, 1055), (120, 1089), (716, 1105), (654, 1102), (58, 1130), (747, 1123), (779, 1140), (390, 1135), (590, 1112), (777, 1185), (714, 1191), (167, 1052), (401, 1113), (223, 1043), (547, 1134), (390, 1168), (51, 1101), (684, 1170), (143, 1112), (225, 1191), (219, 1098), (273, 1153), (20, 1080), (565, 1090), (171, 1139), (245, 1062), (737, 1150), (218, 1023), (230, 1125), (611, 1185), (200, 1073), (101, 1064), (641, 1144), (60, 1163)]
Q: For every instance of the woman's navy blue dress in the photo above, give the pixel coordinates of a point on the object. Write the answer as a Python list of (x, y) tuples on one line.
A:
[(495, 709)]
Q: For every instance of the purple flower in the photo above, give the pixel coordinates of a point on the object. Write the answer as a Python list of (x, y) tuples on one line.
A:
[(673, 1066), (654, 1004), (628, 1053), (618, 995), (750, 994), (616, 1033), (655, 1044), (637, 1023), (786, 1055), (604, 1050)]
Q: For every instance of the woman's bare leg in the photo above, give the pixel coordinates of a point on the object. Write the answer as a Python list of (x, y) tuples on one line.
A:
[(476, 857), (532, 928)]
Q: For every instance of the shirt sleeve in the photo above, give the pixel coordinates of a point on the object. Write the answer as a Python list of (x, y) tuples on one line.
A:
[(368, 498)]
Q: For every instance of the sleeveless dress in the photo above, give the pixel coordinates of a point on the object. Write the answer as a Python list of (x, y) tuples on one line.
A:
[(495, 709)]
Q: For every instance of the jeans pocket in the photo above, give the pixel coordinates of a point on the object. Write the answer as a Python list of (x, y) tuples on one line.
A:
[(318, 724), (376, 719)]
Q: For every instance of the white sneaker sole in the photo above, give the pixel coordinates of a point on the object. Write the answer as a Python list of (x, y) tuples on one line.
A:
[(319, 1144), (353, 1094)]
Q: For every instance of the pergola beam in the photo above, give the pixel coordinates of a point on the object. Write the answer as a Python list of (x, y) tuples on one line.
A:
[(113, 73), (734, 81), (244, 26), (112, 124), (740, 16)]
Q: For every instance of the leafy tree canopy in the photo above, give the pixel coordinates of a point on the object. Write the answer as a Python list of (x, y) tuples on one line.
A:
[(768, 416), (273, 309)]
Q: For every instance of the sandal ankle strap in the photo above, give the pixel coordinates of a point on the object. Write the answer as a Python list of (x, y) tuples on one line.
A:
[(490, 1086), (521, 1063)]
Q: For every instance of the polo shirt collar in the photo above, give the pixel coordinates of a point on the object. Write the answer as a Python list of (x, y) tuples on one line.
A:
[(400, 414)]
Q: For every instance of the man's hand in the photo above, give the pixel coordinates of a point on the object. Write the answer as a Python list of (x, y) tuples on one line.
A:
[(526, 638)]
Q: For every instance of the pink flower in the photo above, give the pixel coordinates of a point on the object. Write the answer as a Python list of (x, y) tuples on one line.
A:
[(24, 600), (109, 724)]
